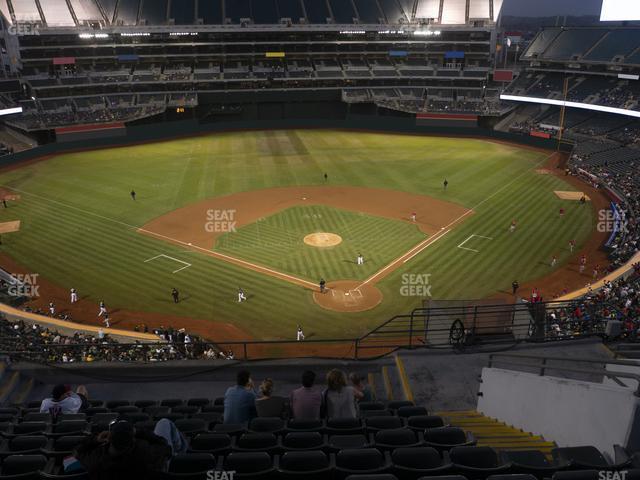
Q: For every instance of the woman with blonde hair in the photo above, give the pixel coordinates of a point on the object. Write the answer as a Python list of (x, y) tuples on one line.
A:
[(269, 405), (340, 399)]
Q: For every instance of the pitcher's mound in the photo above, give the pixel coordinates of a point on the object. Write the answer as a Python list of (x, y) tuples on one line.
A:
[(322, 239), (348, 296)]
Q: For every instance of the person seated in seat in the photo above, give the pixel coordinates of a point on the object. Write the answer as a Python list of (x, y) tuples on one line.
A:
[(123, 452), (63, 400), (359, 383), (269, 405), (340, 399), (306, 401), (240, 400)]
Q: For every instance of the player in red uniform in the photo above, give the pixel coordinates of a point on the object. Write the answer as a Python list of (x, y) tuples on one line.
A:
[(583, 262)]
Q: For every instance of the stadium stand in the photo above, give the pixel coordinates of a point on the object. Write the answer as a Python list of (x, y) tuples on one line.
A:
[(82, 49)]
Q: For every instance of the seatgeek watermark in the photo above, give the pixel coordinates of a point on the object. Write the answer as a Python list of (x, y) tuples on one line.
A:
[(416, 285), (24, 29), (220, 221), (612, 475), (608, 221), (24, 285), (220, 474)]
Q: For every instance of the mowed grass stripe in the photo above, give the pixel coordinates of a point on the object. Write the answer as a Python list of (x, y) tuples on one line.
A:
[(107, 258)]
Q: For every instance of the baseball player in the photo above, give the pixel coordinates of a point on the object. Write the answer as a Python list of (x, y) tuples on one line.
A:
[(133, 194), (413, 217), (322, 285), (106, 320), (512, 227), (583, 263), (572, 245), (74, 295), (176, 295), (445, 184), (554, 261), (562, 212), (360, 259), (241, 295), (103, 309), (300, 334), (52, 309), (596, 270), (515, 286)]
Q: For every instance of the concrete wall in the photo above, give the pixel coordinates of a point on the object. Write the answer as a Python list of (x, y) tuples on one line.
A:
[(569, 412)]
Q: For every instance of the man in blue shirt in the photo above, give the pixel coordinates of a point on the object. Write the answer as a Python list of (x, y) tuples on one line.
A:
[(240, 400)]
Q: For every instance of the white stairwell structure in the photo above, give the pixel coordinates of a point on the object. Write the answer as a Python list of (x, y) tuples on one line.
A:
[(571, 401)]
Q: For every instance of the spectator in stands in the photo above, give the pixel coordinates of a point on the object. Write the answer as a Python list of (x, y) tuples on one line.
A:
[(123, 452), (359, 383), (240, 400), (340, 399), (268, 405), (306, 401), (63, 400)]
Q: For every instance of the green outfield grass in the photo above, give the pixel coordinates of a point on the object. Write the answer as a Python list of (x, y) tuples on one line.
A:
[(79, 223), (277, 242)]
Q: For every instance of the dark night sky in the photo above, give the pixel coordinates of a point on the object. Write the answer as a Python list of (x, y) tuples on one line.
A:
[(545, 8)]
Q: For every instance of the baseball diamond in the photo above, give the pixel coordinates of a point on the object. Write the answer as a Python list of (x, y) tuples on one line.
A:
[(216, 212)]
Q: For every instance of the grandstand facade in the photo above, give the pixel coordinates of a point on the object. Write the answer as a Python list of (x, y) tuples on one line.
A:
[(98, 61)]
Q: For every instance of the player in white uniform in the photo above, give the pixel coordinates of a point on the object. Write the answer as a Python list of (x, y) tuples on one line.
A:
[(360, 259), (103, 309), (241, 295), (300, 334), (74, 295), (106, 320), (52, 309)]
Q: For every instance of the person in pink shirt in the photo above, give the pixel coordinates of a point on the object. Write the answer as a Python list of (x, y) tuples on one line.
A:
[(306, 401)]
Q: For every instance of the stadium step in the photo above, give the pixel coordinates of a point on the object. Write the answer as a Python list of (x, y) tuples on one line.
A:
[(490, 432), (391, 382)]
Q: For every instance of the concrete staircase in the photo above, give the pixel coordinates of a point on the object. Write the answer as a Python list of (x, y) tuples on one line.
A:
[(390, 382), (493, 433)]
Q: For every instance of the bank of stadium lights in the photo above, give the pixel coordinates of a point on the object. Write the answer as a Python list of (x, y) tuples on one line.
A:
[(85, 36), (427, 33), (352, 32), (135, 34), (183, 34)]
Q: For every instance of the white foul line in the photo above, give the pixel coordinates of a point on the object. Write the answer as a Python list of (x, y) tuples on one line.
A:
[(261, 268), (433, 240), (231, 259)]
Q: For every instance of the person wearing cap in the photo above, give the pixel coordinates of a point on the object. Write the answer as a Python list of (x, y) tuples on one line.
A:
[(62, 400), (123, 452)]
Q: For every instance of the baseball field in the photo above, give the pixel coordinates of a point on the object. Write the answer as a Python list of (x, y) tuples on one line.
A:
[(254, 210)]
